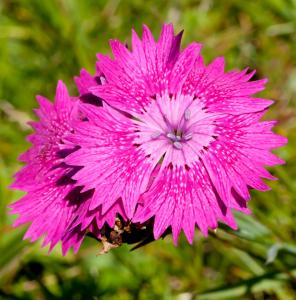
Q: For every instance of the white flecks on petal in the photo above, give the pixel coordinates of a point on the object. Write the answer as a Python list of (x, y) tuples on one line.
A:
[(103, 80)]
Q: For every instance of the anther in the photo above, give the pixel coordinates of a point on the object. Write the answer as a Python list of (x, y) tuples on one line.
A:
[(171, 136), (178, 145), (187, 136)]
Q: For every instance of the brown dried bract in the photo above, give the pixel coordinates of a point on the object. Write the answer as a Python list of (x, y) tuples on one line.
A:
[(126, 232)]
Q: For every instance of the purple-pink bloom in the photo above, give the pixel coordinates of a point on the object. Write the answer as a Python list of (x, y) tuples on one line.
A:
[(53, 201), (197, 128), (155, 135), (46, 178)]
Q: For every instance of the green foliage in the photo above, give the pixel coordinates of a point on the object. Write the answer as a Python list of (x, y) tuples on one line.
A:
[(43, 41)]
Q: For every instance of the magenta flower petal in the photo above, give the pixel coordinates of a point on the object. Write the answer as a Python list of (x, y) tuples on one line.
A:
[(47, 208), (84, 82), (182, 198), (111, 162), (141, 73), (85, 217), (72, 238)]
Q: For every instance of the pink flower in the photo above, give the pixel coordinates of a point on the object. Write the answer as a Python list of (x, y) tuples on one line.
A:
[(155, 137), (46, 178), (175, 140), (53, 201), (54, 204)]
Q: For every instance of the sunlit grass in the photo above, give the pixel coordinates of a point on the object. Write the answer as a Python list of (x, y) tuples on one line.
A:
[(43, 41)]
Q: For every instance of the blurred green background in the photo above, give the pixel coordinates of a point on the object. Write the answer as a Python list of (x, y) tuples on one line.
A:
[(43, 41)]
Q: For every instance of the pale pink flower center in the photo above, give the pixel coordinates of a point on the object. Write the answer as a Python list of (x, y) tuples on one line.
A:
[(176, 126)]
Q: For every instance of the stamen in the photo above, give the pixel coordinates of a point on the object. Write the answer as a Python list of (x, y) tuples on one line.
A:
[(178, 145), (171, 136), (187, 136), (187, 114)]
